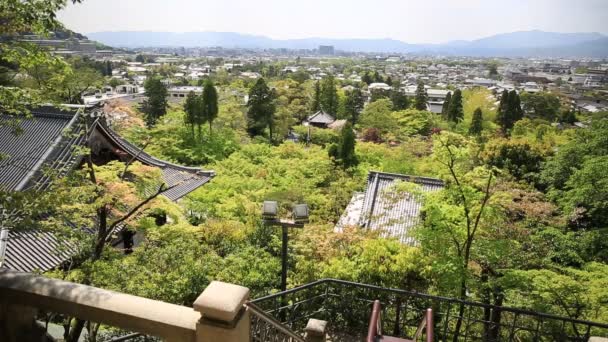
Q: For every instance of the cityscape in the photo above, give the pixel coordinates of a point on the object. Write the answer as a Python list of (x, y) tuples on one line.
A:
[(254, 184)]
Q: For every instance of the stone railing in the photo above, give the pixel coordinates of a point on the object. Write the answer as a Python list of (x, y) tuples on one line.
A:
[(219, 313)]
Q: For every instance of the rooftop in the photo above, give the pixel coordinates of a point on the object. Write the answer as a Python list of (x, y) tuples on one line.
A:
[(383, 208)]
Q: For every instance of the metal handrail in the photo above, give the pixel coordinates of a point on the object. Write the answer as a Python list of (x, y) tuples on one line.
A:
[(375, 324), (258, 312), (427, 322), (431, 297)]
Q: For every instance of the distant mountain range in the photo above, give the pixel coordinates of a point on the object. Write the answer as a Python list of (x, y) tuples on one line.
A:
[(523, 43)]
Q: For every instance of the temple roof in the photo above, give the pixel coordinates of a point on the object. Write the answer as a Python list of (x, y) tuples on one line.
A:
[(47, 142), (382, 208)]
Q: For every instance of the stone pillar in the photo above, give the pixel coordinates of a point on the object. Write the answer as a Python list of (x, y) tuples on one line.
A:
[(223, 316), (315, 330), (17, 324)]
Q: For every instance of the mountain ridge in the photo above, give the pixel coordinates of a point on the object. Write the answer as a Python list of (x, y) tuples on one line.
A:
[(520, 43)]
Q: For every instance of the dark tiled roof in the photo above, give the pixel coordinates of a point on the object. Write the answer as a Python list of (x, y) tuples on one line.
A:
[(321, 117), (381, 208), (40, 145), (181, 179), (35, 250), (47, 142)]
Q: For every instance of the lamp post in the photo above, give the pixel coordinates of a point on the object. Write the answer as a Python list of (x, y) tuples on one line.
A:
[(270, 216)]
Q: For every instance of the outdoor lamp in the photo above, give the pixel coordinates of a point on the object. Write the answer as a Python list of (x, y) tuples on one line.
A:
[(270, 210), (300, 213)]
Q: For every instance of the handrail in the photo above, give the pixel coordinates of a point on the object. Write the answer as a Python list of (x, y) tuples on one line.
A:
[(375, 324), (258, 312), (427, 322), (431, 297)]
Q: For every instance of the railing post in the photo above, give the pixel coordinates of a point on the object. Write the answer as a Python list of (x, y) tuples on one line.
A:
[(315, 330), (223, 316), (17, 323)]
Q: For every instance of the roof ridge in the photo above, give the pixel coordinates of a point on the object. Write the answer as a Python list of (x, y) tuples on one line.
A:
[(398, 175)]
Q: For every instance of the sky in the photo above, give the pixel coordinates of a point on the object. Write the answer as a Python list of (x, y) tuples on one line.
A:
[(411, 21)]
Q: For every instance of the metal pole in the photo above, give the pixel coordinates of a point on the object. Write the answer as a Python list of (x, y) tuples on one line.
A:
[(284, 259)]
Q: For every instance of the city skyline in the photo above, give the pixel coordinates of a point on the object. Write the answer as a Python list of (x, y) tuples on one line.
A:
[(432, 21)]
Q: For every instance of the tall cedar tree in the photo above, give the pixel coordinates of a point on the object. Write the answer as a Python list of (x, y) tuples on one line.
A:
[(399, 100), (455, 111), (190, 111), (261, 108), (316, 100), (377, 77), (421, 99), (108, 68), (476, 123), (509, 110), (329, 95), (367, 79), (156, 104), (446, 105), (209, 103), (354, 105), (343, 153)]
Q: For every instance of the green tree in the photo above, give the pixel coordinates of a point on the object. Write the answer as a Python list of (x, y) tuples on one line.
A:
[(155, 106), (421, 99), (329, 95), (378, 115), (367, 79), (261, 109), (74, 84), (542, 104), (509, 110), (354, 105), (399, 100), (316, 99), (457, 215), (108, 68), (344, 152), (476, 123), (37, 17), (115, 82), (209, 103), (191, 109), (455, 110), (446, 105)]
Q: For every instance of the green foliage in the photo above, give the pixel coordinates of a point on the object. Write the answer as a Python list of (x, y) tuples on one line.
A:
[(455, 109), (574, 293), (476, 123), (399, 100), (209, 104), (509, 110), (521, 158), (318, 136), (543, 104), (446, 105), (261, 109), (379, 115), (343, 152), (574, 175), (316, 100), (421, 99), (329, 95), (412, 122), (155, 106), (354, 105)]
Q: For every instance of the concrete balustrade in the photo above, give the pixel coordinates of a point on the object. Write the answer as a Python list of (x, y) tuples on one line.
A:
[(316, 330), (221, 306)]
